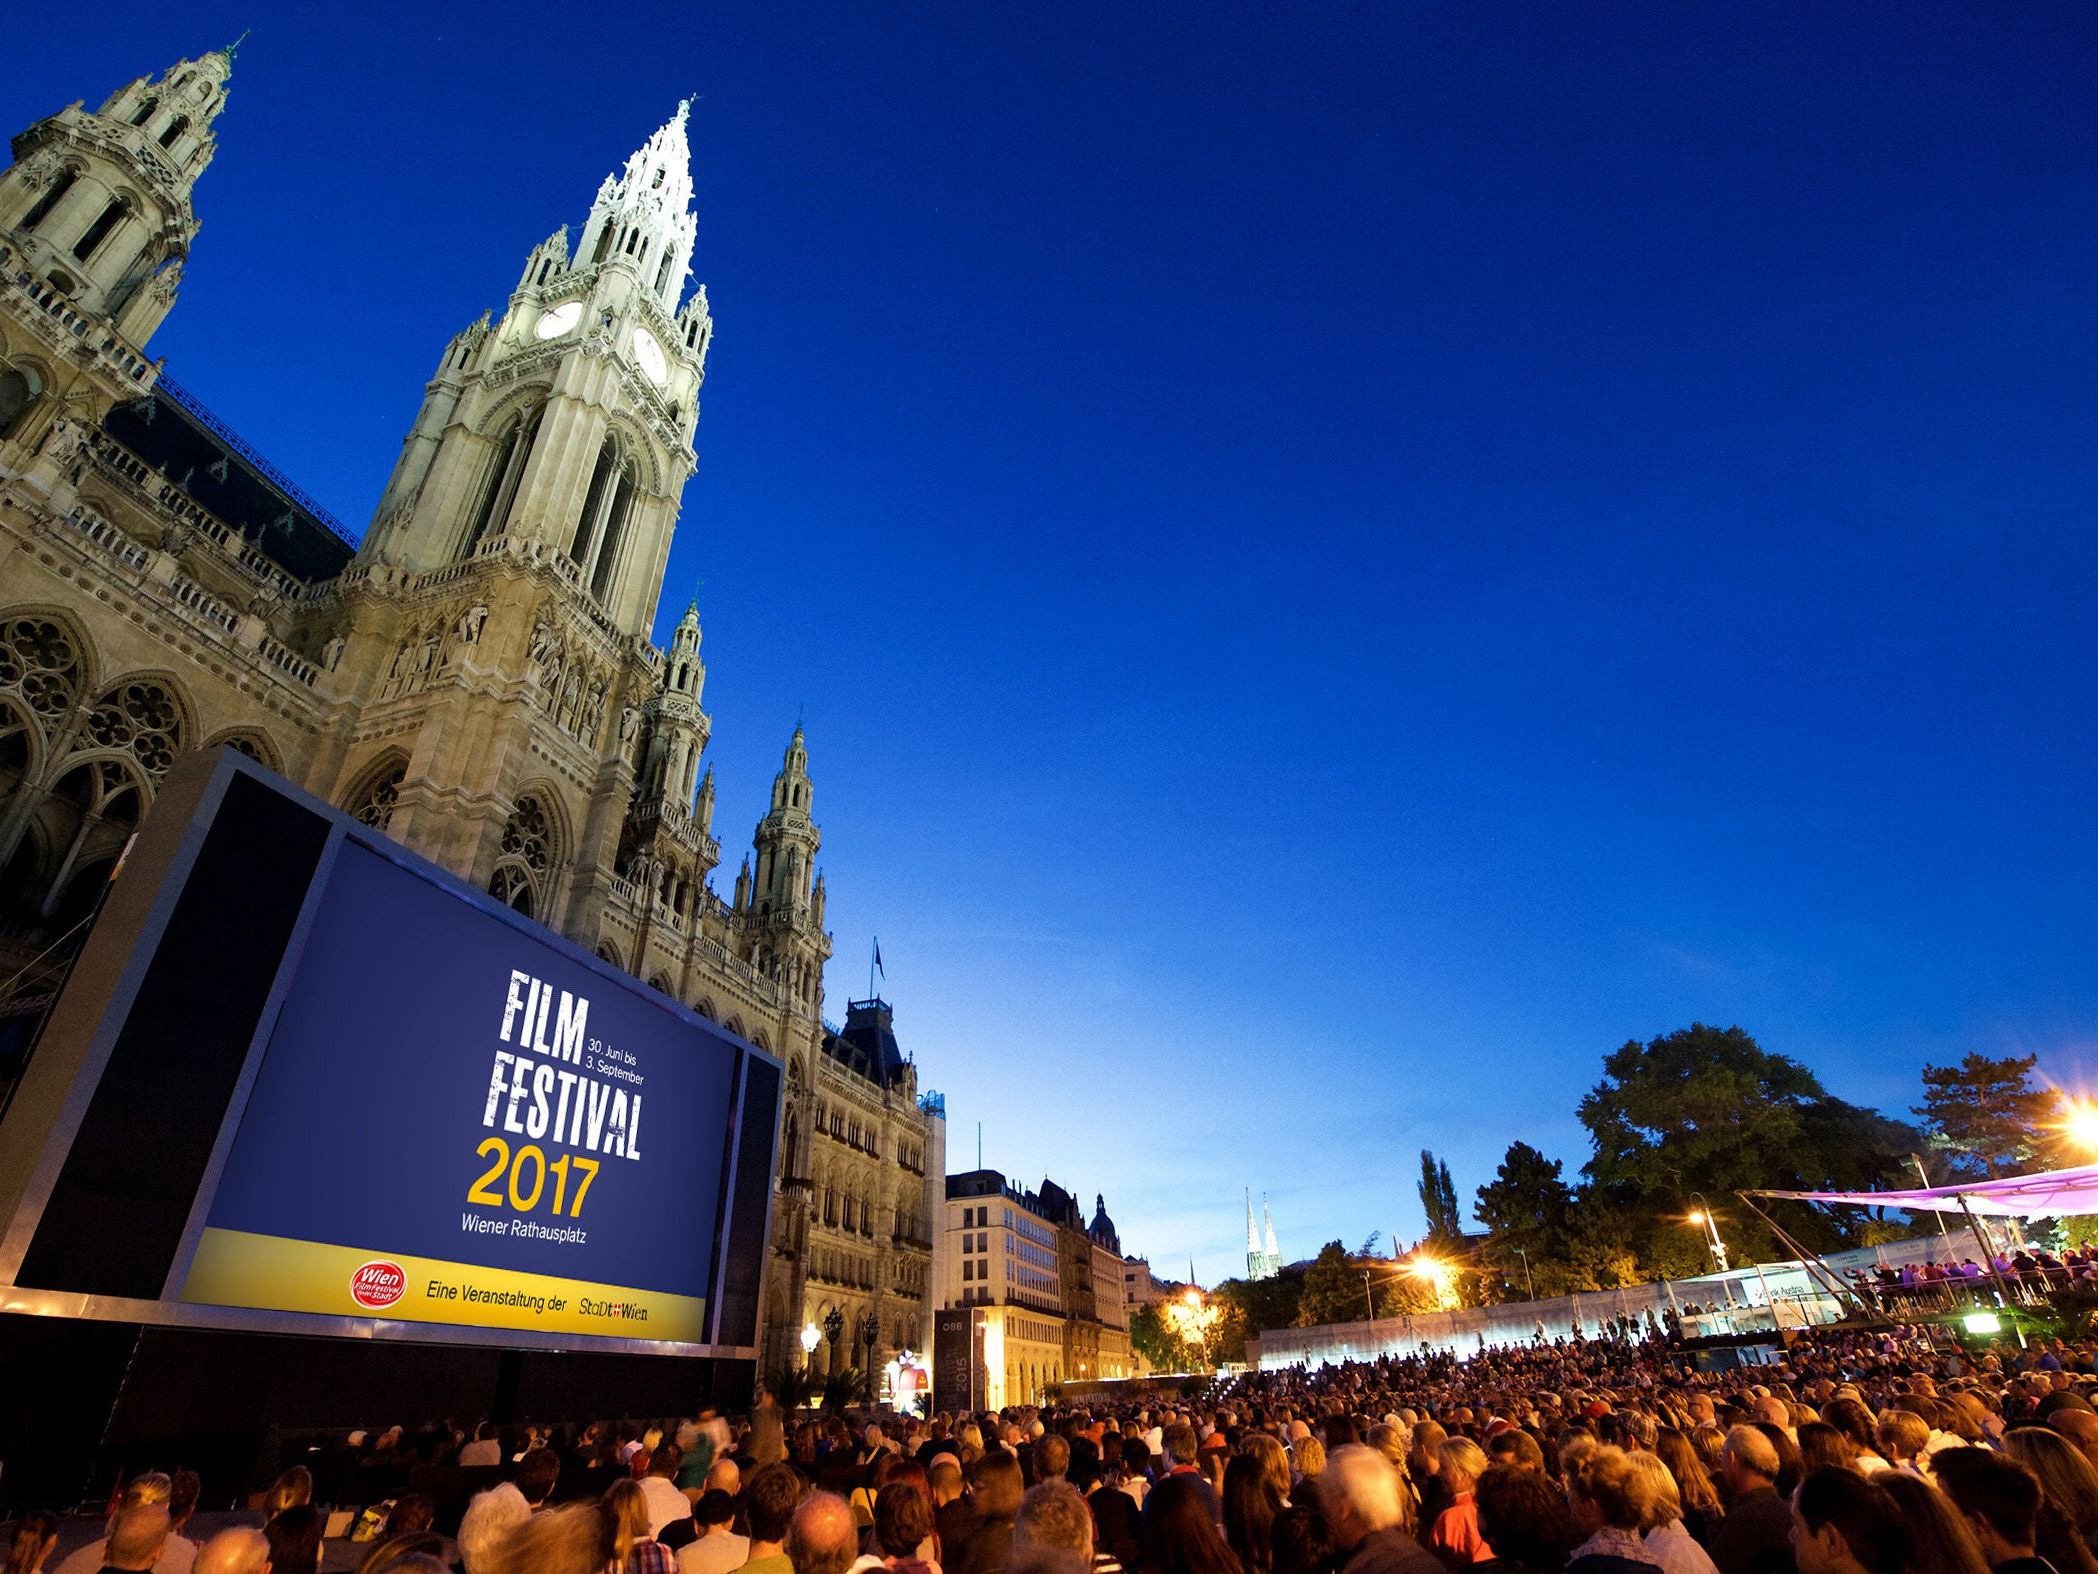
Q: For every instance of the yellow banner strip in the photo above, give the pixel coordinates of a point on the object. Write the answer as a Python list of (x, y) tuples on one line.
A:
[(235, 1268)]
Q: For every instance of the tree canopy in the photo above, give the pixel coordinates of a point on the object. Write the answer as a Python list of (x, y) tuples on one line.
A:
[(1985, 1115)]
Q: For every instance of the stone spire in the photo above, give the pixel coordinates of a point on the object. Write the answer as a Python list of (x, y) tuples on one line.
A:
[(644, 214), (102, 209)]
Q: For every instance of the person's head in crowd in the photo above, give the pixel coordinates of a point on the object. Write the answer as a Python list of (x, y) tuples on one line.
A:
[(1849, 1417), (1460, 1462), (1748, 1463), (489, 1518), (627, 1511), (714, 1513), (768, 1503), (1274, 1460), (536, 1474), (1302, 1542), (666, 1460), (390, 1553), (1251, 1502), (184, 1488), (1524, 1519), (1052, 1458), (1515, 1447), (295, 1538), (902, 1519), (31, 1539), (293, 1489), (238, 1550), (1053, 1515), (1308, 1458), (1999, 1498), (2066, 1477), (1902, 1435), (1843, 1524), (412, 1512), (2079, 1427), (724, 1475), (944, 1477), (1604, 1488), (823, 1538), (1176, 1534), (995, 1485), (1181, 1445), (137, 1535), (1940, 1541), (576, 1539), (1822, 1447), (1362, 1495), (1660, 1505)]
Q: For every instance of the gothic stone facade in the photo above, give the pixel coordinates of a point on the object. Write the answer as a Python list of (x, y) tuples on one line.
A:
[(476, 676)]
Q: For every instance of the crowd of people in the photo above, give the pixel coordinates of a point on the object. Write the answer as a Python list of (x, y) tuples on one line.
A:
[(1856, 1452)]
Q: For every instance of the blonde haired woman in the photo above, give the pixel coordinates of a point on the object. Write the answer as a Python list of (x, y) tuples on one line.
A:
[(1454, 1537), (1661, 1522), (1609, 1501)]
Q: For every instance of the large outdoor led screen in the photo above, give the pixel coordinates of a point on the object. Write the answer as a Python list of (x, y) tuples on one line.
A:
[(455, 1121)]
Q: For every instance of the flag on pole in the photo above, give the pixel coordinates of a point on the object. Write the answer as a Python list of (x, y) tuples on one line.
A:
[(877, 958)]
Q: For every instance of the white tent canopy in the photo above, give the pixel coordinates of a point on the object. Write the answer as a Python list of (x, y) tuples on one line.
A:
[(2053, 1195)]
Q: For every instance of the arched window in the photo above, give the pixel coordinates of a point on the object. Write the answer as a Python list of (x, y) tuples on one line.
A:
[(604, 245), (142, 718), (18, 390), (40, 664), (145, 112), (663, 273), (525, 857), (373, 801), (602, 525), (53, 195), (96, 233), (499, 490), (175, 129)]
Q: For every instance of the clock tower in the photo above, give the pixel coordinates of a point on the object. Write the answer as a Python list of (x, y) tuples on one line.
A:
[(518, 551)]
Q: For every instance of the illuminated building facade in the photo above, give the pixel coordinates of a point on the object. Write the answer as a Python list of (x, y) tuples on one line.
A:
[(1047, 1280), (475, 673)]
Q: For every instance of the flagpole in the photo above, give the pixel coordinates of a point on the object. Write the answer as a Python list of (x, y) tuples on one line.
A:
[(871, 955)]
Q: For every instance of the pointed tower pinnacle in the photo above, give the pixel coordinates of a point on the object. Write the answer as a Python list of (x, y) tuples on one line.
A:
[(1274, 1251), (643, 215), (1252, 1233)]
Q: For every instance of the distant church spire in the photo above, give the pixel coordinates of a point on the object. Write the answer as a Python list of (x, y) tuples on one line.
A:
[(1260, 1264)]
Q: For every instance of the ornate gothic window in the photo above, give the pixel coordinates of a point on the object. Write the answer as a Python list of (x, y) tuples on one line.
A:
[(40, 662), (53, 195), (145, 112), (96, 233), (142, 719), (175, 129), (525, 857), (499, 490), (373, 802), (602, 525)]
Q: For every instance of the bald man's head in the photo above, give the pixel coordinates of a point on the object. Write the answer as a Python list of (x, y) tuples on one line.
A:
[(236, 1551), (823, 1538), (136, 1536)]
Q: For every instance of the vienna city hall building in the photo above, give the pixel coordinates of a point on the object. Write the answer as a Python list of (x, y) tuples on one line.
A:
[(475, 675)]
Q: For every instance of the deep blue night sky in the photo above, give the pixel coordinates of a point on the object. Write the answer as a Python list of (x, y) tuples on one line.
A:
[(1341, 560)]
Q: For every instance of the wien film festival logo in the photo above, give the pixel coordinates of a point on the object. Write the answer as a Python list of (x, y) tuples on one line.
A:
[(377, 1284)]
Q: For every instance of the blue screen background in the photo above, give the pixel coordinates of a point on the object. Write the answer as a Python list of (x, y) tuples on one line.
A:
[(362, 1126)]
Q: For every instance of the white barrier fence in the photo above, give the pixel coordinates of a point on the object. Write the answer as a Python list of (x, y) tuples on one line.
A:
[(1757, 1299)]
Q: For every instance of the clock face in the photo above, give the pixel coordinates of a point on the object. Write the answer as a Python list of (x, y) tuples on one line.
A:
[(559, 320), (650, 355)]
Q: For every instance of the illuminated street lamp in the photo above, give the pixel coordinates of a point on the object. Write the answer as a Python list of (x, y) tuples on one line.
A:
[(2080, 1123), (811, 1336)]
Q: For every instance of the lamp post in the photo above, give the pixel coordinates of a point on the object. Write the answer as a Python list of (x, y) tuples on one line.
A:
[(1369, 1322), (811, 1336), (1529, 1279), (1702, 1215)]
